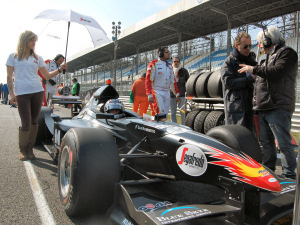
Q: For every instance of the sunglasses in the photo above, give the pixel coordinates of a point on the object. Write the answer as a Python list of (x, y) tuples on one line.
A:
[(246, 46), (176, 61)]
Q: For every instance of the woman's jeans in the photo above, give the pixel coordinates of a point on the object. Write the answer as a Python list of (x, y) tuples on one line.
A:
[(277, 124)]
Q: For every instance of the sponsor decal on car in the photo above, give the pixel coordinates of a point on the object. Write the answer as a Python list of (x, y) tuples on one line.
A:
[(289, 188), (126, 222), (191, 160), (245, 169), (272, 180), (151, 207), (184, 214), (144, 129)]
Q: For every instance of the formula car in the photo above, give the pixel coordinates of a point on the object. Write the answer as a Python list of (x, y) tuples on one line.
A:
[(150, 171)]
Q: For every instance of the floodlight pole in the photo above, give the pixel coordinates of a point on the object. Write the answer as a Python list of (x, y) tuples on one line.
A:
[(116, 30), (115, 62)]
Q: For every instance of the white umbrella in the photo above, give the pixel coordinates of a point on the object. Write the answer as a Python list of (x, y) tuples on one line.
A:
[(96, 32)]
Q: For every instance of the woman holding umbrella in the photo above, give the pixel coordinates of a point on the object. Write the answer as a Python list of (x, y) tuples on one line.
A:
[(28, 92)]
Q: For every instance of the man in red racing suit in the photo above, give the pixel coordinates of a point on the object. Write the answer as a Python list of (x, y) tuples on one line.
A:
[(159, 80)]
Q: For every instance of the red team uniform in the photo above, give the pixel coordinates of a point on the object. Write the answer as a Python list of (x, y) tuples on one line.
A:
[(159, 80)]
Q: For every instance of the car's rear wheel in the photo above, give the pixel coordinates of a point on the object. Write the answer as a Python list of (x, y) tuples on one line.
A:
[(238, 138), (43, 133), (88, 168)]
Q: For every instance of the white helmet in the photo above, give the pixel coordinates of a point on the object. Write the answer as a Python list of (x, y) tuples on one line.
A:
[(114, 104)]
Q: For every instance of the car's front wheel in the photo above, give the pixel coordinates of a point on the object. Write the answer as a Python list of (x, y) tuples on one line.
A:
[(88, 168), (238, 138)]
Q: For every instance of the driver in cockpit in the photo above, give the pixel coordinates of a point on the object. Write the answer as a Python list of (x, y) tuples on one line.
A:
[(114, 106)]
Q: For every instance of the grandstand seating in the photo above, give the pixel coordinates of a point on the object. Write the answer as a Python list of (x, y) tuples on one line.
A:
[(191, 63)]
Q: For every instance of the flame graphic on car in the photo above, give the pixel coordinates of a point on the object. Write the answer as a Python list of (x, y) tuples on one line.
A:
[(245, 169)]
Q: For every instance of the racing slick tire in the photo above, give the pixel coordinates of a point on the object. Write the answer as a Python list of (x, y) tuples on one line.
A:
[(43, 133), (201, 85), (213, 119), (190, 118), (214, 85), (88, 169), (239, 138), (199, 121), (191, 85)]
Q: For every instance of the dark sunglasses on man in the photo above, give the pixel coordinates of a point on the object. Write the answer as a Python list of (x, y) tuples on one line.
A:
[(246, 46)]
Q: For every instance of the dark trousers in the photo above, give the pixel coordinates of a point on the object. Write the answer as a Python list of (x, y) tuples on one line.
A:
[(29, 107)]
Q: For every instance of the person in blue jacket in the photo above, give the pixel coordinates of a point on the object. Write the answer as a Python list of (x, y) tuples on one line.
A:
[(5, 93)]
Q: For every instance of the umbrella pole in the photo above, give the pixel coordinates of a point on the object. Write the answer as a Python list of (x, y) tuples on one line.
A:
[(64, 71)]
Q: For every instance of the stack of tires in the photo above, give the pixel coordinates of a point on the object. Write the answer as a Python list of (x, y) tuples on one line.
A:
[(202, 120), (202, 87)]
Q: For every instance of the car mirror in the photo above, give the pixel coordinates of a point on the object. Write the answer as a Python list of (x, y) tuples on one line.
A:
[(160, 117), (109, 116)]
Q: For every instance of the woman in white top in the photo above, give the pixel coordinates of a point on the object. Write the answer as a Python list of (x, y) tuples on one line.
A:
[(28, 92)]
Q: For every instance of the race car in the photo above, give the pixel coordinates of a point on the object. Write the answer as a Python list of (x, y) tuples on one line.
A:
[(150, 171)]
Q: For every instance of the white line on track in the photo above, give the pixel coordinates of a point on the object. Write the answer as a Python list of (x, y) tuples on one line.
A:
[(40, 201)]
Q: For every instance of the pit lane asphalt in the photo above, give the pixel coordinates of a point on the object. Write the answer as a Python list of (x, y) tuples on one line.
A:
[(17, 203)]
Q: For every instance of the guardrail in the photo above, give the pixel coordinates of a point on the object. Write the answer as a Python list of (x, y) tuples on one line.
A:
[(295, 118)]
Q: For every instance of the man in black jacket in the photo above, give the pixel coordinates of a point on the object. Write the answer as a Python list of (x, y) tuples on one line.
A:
[(238, 87), (274, 99), (181, 76)]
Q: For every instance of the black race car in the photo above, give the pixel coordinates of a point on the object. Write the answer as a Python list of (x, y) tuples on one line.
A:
[(150, 171)]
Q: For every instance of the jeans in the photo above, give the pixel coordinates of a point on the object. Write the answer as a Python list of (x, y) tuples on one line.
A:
[(277, 124), (173, 108)]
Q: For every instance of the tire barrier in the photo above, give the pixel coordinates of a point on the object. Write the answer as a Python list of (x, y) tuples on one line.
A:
[(214, 85)]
